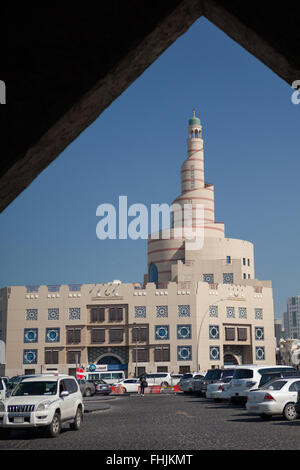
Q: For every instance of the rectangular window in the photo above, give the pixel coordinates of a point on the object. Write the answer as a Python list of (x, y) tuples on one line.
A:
[(228, 259), (244, 261), (142, 355), (162, 369), (184, 369), (229, 334), (51, 356), (242, 334), (98, 335), (116, 335), (115, 314), (162, 354), (73, 335), (139, 334), (73, 357), (97, 315), (294, 318)]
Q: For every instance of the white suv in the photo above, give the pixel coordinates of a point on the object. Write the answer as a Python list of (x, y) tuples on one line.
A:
[(44, 401)]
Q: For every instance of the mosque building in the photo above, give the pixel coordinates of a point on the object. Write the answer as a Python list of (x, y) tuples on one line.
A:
[(199, 307)]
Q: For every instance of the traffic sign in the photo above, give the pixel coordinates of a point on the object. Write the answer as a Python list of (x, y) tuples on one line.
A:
[(79, 373)]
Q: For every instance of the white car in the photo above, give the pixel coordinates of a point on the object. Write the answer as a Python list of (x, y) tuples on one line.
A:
[(275, 398), (219, 391), (2, 389), (247, 377), (130, 385), (44, 401)]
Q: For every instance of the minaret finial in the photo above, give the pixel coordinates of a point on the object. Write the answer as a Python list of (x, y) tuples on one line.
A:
[(194, 113)]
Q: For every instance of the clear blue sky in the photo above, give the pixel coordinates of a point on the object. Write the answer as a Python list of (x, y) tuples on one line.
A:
[(136, 148)]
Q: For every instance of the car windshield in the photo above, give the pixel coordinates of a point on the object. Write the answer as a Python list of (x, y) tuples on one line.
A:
[(213, 374), (228, 373), (35, 389), (243, 374), (187, 376), (277, 385)]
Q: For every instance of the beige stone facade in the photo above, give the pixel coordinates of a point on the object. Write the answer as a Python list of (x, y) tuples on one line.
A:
[(197, 309)]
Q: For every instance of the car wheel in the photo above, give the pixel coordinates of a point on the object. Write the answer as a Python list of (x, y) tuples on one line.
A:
[(78, 420), (164, 384), (55, 427), (289, 412), (88, 392)]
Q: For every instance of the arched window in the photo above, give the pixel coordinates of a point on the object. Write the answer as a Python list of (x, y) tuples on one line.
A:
[(153, 274)]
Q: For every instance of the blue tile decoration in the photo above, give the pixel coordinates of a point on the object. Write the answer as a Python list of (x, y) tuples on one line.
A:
[(162, 332), (259, 333), (52, 335), (230, 312), (140, 312), (213, 310), (30, 356), (184, 353), (214, 353), (214, 332), (258, 313), (260, 353), (242, 312), (32, 314), (74, 313), (184, 331), (30, 335), (53, 314), (208, 278), (161, 311), (227, 278), (184, 311)]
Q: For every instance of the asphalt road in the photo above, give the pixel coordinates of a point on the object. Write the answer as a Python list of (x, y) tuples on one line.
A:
[(166, 422)]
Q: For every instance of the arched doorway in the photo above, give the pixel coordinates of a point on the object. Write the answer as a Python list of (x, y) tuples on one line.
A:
[(230, 360), (109, 359)]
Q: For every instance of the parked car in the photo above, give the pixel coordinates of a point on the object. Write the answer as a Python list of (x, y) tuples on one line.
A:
[(185, 383), (195, 382), (102, 388), (130, 385), (214, 375), (176, 378), (297, 404), (277, 397), (2, 389), (247, 377), (87, 389), (218, 390), (44, 401), (164, 379)]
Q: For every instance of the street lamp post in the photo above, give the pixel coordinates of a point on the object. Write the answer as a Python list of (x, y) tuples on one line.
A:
[(199, 331), (136, 338)]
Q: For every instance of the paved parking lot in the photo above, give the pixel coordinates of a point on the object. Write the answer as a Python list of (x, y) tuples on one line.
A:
[(167, 422)]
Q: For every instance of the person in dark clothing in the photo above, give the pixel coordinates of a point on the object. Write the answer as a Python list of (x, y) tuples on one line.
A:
[(143, 385)]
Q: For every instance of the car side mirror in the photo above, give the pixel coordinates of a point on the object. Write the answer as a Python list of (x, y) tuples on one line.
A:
[(64, 393)]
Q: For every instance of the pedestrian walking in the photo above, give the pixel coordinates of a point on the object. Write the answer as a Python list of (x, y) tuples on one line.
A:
[(143, 385)]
